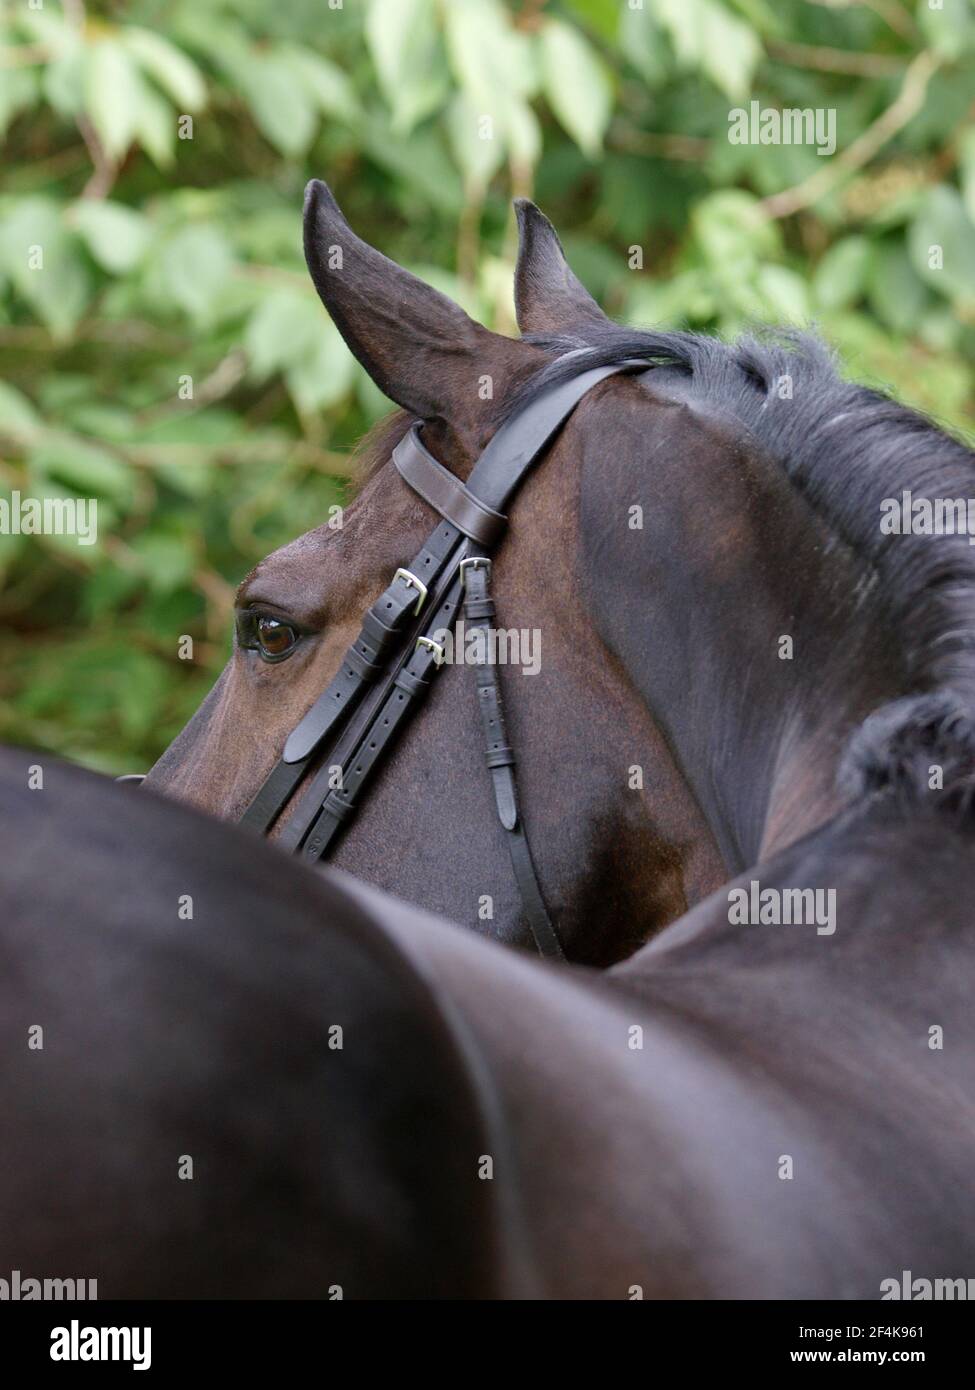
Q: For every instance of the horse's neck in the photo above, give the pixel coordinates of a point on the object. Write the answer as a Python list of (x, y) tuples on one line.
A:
[(738, 614), (885, 933)]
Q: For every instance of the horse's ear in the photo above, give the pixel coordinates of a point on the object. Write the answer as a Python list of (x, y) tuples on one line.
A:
[(419, 347), (548, 297)]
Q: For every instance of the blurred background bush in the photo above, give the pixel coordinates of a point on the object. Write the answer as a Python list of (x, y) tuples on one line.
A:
[(172, 360)]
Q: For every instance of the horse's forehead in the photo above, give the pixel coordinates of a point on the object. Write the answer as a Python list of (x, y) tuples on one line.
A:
[(296, 554), (299, 558), (292, 578)]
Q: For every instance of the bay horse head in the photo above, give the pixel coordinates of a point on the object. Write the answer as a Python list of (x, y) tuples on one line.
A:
[(702, 555), (619, 841)]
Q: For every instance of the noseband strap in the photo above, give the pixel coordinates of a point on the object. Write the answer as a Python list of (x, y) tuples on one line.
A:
[(388, 670)]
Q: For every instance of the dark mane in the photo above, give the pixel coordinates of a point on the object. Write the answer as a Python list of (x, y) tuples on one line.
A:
[(846, 447)]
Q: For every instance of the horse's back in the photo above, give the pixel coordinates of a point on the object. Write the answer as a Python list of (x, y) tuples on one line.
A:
[(257, 1080), (218, 1076)]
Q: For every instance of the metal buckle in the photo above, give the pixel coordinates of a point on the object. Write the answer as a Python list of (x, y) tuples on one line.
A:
[(413, 583), (432, 646), (475, 561)]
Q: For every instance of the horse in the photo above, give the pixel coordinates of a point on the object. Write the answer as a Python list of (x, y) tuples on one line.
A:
[(224, 1075), (619, 841), (811, 671), (750, 466)]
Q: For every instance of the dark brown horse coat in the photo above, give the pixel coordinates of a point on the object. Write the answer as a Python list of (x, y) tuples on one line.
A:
[(734, 1112)]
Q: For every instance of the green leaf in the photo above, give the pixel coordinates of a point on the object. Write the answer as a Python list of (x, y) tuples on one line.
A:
[(784, 294), (897, 295), (405, 46), (706, 37), (325, 374), (642, 44), (113, 95), (730, 50), (290, 332), (281, 106), (178, 76), (109, 423), (63, 82), (600, 16), (477, 146), (949, 29), (283, 330), (576, 85), (45, 263), (18, 418), (156, 128), (165, 560), (688, 296), (420, 162), (491, 60), (196, 265), (137, 686), (18, 92), (116, 235), (730, 228), (840, 277), (83, 467), (942, 245), (682, 19), (327, 85)]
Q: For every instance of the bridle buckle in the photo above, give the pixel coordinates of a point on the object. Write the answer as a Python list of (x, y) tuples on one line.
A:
[(431, 646), (475, 562), (412, 583)]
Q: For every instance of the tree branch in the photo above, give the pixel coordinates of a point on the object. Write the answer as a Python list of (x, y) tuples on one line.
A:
[(659, 146), (897, 16), (907, 103), (104, 169), (804, 55)]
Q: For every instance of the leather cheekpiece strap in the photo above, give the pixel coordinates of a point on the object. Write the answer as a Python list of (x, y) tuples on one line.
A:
[(479, 612), (445, 493), (366, 659), (407, 690)]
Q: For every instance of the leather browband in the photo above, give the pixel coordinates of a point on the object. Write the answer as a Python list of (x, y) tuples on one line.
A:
[(445, 493)]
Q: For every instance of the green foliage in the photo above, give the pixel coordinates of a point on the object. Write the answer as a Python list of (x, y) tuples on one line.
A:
[(161, 347)]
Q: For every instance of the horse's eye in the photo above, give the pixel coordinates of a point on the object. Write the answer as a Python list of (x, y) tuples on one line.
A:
[(275, 639), (272, 638)]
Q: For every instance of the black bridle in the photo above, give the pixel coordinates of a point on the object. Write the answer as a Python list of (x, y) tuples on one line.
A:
[(389, 668)]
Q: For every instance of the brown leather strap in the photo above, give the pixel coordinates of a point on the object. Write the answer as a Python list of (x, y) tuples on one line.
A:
[(479, 614), (445, 493)]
